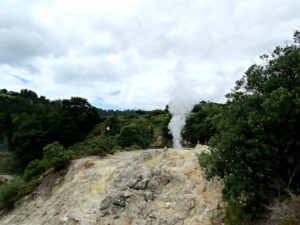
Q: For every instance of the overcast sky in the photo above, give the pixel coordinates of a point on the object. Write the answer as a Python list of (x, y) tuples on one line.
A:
[(126, 53)]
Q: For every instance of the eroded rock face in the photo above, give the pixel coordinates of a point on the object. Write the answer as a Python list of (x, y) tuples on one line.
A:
[(152, 187), (164, 189)]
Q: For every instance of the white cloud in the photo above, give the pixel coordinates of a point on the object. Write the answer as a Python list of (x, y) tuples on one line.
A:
[(122, 53)]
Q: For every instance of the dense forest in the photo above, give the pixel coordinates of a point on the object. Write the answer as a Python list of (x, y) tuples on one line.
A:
[(29, 122), (253, 137)]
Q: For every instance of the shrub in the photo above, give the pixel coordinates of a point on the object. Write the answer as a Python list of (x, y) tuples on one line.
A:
[(34, 168), (97, 151), (9, 192), (132, 148), (56, 156), (109, 142), (29, 187), (234, 214), (135, 134), (117, 148)]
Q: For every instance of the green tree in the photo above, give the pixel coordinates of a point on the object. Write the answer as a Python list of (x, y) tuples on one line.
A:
[(165, 130), (113, 125), (135, 134), (200, 125), (28, 94), (34, 168), (28, 138), (56, 156), (81, 111), (73, 121), (257, 148), (9, 192)]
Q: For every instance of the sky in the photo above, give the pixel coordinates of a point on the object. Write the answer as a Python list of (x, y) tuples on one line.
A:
[(124, 54)]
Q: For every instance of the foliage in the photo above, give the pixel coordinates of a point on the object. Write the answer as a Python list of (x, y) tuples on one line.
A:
[(76, 118), (109, 143), (112, 125), (97, 151), (28, 138), (30, 122), (201, 125), (34, 168), (234, 214), (135, 134), (29, 187), (56, 156), (165, 130), (94, 146), (9, 192), (132, 148), (8, 163), (116, 148), (256, 149)]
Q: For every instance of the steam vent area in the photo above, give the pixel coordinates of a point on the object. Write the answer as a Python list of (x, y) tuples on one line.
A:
[(146, 187)]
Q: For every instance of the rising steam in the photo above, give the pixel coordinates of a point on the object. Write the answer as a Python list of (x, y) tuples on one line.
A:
[(181, 104)]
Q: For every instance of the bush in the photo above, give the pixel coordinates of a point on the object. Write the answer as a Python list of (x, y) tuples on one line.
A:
[(117, 148), (97, 151), (135, 134), (29, 187), (109, 142), (9, 192), (132, 148), (34, 168), (234, 214), (56, 156)]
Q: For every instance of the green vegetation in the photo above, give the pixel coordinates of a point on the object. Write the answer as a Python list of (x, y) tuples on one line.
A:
[(253, 137), (256, 146), (55, 156), (9, 192), (200, 125), (135, 134), (8, 163), (38, 136), (30, 122)]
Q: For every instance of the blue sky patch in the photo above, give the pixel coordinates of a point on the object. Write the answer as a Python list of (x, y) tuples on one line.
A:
[(114, 93), (23, 80), (102, 105)]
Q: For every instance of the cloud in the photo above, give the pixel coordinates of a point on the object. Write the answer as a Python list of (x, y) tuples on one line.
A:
[(122, 53)]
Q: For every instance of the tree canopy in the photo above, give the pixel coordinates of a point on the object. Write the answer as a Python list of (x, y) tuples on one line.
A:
[(257, 148), (30, 122)]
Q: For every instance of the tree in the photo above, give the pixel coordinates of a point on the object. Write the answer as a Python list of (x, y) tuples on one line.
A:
[(200, 125), (135, 134), (113, 125), (74, 120), (28, 94), (81, 112), (256, 150), (9, 192), (56, 156), (28, 138)]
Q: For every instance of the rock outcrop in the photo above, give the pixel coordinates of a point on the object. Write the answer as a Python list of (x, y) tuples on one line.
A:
[(153, 187)]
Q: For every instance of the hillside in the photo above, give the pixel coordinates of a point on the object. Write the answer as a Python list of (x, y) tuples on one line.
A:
[(137, 187)]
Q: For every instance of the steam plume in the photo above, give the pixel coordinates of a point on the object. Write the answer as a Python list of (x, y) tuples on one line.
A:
[(181, 104)]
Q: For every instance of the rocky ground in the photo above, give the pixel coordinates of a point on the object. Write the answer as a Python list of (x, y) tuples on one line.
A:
[(146, 187)]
